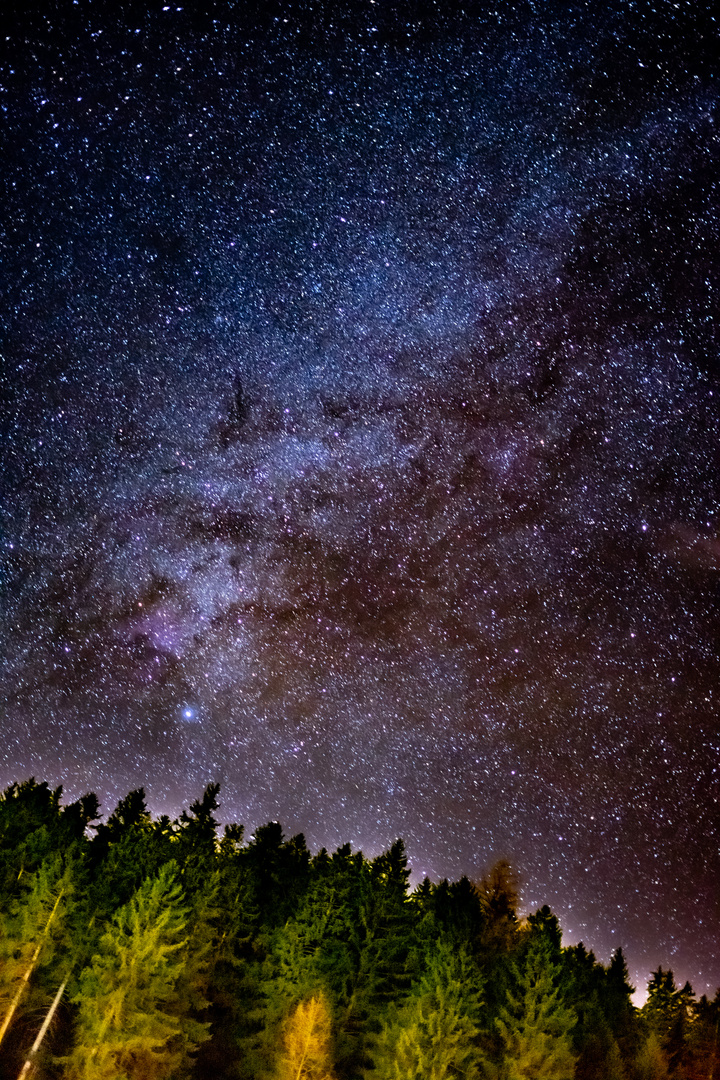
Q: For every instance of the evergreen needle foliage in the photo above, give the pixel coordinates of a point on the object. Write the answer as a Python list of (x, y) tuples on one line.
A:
[(306, 1043), (535, 1024), (131, 1022), (194, 956), (433, 1035)]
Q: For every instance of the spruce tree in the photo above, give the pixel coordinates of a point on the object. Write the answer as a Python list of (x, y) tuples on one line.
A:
[(651, 1061), (595, 993), (616, 1000), (433, 1035), (658, 1011), (224, 924), (279, 870), (499, 896), (35, 828), (667, 1014), (535, 1024), (704, 1039), (132, 1020), (320, 949)]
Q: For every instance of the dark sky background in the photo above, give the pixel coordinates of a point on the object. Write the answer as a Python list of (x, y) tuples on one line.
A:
[(361, 435)]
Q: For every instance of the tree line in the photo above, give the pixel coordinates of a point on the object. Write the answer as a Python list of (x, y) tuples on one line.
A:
[(143, 948)]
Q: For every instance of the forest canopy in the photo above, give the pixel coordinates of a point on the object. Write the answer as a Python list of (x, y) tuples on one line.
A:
[(142, 948)]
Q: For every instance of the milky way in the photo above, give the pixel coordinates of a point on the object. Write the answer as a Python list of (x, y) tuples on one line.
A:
[(361, 428)]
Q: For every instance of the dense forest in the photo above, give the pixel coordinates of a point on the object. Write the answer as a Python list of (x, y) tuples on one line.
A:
[(148, 949)]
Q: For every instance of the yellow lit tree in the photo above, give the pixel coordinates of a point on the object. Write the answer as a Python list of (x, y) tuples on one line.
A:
[(306, 1043), (134, 1016), (28, 932)]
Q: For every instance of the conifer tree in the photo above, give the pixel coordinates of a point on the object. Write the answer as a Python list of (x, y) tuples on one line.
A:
[(306, 1053), (614, 1067), (25, 809), (30, 930), (305, 966), (659, 1008), (130, 813), (432, 1036), (651, 1061), (704, 1039), (499, 939), (132, 1019), (667, 1015), (35, 828), (195, 847), (535, 1024), (224, 922), (279, 870), (499, 895), (386, 918), (616, 998), (599, 997), (319, 949)]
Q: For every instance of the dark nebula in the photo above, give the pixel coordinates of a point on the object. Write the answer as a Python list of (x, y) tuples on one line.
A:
[(361, 435)]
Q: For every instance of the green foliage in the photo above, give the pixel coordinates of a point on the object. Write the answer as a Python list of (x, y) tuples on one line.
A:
[(667, 1014), (535, 1024), (34, 828), (651, 1062), (617, 994), (703, 1049), (193, 955), (601, 999), (25, 809), (279, 870), (433, 1035), (134, 1013), (33, 941)]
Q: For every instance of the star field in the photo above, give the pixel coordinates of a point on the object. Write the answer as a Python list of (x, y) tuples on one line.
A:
[(361, 436)]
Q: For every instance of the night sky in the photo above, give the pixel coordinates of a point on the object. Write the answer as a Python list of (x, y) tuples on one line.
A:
[(361, 435)]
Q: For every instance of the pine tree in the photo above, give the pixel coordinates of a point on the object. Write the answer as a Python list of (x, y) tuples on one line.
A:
[(131, 1020), (224, 923), (386, 917), (704, 1039), (535, 1024), (318, 950), (614, 1067), (195, 844), (30, 929), (659, 1009), (34, 828), (616, 1000), (432, 1036), (25, 810), (599, 997), (651, 1061), (279, 870), (676, 1044), (126, 850), (667, 1014), (306, 1053)]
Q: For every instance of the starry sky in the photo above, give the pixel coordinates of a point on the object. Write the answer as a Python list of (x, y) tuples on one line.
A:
[(361, 427)]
